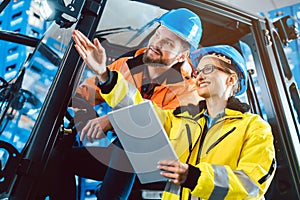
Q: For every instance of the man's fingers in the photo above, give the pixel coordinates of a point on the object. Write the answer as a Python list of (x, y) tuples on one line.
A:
[(98, 45), (100, 135), (78, 38), (90, 139), (81, 51), (96, 131), (92, 131), (83, 42), (83, 39), (85, 131), (89, 135), (82, 134)]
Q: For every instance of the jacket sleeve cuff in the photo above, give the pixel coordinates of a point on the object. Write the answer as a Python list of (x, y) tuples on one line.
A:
[(107, 86), (192, 177)]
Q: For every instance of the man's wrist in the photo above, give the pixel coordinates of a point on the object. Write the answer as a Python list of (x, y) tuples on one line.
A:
[(109, 84), (103, 78)]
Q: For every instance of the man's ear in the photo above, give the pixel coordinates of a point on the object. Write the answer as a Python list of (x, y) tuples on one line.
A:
[(183, 56)]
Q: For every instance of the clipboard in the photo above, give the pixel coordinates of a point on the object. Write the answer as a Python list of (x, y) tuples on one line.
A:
[(143, 138)]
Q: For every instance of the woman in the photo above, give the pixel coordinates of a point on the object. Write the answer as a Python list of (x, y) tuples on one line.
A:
[(224, 151), (235, 157)]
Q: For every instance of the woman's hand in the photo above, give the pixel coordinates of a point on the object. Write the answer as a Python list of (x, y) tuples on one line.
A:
[(175, 171)]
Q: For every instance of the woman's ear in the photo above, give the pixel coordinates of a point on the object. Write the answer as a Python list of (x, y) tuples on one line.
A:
[(232, 79)]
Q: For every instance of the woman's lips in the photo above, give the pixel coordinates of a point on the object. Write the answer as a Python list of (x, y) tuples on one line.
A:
[(203, 84)]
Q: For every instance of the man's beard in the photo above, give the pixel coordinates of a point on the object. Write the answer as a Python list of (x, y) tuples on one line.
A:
[(159, 62)]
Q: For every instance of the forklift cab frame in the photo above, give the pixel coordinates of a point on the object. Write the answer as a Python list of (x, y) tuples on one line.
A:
[(272, 91)]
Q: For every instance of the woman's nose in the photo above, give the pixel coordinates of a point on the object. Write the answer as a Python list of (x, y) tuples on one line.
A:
[(200, 76)]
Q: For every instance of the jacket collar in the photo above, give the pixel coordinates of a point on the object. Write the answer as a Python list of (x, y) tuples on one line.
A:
[(233, 103), (194, 110)]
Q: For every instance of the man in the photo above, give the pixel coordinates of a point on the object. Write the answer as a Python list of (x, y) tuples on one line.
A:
[(228, 153), (160, 64), (157, 71)]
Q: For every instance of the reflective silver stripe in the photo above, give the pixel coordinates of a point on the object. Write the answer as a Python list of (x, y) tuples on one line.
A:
[(221, 183), (172, 188), (249, 185), (128, 98), (195, 198)]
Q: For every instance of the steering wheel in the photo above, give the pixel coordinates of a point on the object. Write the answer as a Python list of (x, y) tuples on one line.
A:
[(21, 100), (7, 173), (23, 97)]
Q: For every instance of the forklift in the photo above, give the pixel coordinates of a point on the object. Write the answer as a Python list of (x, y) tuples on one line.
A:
[(38, 98)]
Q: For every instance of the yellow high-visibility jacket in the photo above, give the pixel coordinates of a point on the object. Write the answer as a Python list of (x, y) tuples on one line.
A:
[(233, 159)]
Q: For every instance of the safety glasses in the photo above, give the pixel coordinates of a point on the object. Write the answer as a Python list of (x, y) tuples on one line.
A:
[(209, 68)]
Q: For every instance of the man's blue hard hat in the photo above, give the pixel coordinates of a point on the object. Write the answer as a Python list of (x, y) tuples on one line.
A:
[(185, 24), (237, 61)]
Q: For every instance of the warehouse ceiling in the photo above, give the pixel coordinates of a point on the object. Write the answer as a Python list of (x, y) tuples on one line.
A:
[(260, 6)]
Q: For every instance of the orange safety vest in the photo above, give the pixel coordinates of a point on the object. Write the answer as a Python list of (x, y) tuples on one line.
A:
[(175, 90)]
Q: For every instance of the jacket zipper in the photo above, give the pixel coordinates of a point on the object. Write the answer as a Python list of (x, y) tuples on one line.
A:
[(203, 135), (225, 135), (219, 140), (189, 135)]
